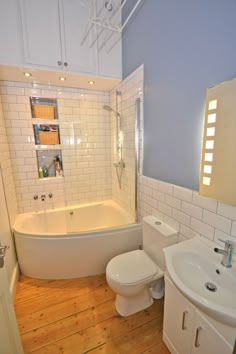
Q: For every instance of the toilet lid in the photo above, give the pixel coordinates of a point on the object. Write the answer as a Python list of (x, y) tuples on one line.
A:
[(132, 267)]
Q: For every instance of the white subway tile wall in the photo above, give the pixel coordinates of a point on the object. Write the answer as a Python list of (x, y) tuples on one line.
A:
[(6, 165), (85, 130), (187, 211), (131, 89), (10, 194)]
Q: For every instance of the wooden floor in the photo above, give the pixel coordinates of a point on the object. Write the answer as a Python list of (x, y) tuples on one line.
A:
[(78, 316)]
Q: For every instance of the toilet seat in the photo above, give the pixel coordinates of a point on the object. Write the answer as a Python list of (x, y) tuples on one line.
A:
[(132, 268)]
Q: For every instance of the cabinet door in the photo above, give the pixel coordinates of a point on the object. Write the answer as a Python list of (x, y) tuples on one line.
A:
[(41, 32), (10, 33), (178, 320), (74, 18), (109, 45), (10, 339), (206, 339), (110, 61)]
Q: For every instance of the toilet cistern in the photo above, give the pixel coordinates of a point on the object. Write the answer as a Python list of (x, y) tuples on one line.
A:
[(137, 276)]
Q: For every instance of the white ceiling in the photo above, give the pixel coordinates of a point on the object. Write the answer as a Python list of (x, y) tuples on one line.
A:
[(50, 78)]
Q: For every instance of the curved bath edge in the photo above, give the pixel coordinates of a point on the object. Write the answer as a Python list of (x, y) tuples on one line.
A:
[(74, 257), (48, 252)]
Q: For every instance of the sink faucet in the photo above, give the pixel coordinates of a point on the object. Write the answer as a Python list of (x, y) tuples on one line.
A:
[(227, 253)]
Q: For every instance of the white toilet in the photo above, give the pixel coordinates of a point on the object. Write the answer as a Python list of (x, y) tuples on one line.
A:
[(137, 276)]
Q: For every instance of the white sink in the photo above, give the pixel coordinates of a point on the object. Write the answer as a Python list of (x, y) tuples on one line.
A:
[(193, 263)]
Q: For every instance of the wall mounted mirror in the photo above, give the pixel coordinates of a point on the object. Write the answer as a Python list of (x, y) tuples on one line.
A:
[(218, 160)]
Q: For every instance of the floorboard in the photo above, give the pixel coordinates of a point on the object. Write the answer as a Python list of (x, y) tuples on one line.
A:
[(78, 316)]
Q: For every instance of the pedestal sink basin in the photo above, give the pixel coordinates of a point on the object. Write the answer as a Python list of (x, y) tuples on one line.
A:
[(197, 272)]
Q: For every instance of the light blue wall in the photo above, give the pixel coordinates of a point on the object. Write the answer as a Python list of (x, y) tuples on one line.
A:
[(185, 46)]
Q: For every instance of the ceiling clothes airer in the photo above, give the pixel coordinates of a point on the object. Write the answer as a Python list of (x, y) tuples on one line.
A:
[(104, 25)]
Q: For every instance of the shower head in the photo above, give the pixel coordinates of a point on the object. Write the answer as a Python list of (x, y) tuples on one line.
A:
[(110, 109)]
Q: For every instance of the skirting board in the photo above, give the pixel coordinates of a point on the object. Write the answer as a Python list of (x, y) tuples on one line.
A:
[(168, 344), (14, 280)]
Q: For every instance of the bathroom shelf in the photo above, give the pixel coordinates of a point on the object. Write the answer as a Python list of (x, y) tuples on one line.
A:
[(44, 113), (45, 121), (51, 178), (46, 129), (47, 147)]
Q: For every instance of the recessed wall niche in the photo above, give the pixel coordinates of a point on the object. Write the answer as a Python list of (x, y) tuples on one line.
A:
[(44, 113), (49, 163), (46, 134), (43, 108)]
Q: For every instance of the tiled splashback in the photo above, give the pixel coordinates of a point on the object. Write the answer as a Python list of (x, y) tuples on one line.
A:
[(130, 89), (187, 211), (85, 130)]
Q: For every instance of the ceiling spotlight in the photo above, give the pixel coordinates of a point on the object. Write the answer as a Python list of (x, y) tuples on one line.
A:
[(27, 74), (62, 78), (91, 82)]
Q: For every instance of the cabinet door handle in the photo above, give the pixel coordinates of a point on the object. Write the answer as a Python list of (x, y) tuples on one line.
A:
[(59, 62), (183, 320), (3, 250), (196, 342), (65, 64)]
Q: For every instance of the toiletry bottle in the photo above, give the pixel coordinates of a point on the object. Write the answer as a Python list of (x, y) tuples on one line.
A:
[(58, 166), (58, 169), (45, 171), (40, 172)]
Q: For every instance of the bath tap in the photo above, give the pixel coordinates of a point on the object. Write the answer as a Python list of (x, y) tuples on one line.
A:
[(43, 196), (35, 197), (50, 195), (227, 253)]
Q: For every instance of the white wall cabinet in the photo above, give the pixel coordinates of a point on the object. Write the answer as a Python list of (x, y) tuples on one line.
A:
[(109, 62), (10, 33), (41, 32), (52, 36), (109, 46), (48, 34), (74, 17), (52, 33), (188, 331)]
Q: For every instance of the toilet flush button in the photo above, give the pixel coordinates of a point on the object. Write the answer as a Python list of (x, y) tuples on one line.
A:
[(157, 223)]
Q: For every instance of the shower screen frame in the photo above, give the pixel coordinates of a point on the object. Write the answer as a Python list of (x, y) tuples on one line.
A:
[(138, 172)]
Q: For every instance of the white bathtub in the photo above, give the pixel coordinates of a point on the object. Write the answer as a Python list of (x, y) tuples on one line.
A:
[(73, 242)]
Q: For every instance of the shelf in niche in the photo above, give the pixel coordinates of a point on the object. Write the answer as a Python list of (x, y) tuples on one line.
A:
[(50, 161), (52, 178), (47, 147), (45, 121), (44, 108)]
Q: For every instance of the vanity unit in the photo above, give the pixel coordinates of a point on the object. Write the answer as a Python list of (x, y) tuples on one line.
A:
[(189, 330), (196, 319)]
